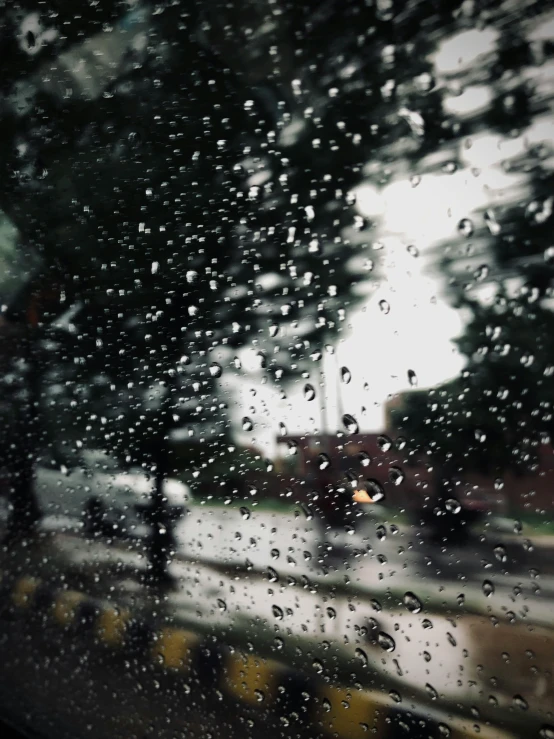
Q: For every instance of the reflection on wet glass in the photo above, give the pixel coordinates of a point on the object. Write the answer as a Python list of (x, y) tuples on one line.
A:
[(277, 384)]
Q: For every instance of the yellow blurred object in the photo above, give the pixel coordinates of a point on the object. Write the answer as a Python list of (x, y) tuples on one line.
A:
[(361, 496)]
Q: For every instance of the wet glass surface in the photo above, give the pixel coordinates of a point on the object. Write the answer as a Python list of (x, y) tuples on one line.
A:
[(276, 368)]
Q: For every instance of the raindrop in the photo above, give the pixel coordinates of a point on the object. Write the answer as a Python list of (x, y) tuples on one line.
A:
[(282, 429), (247, 424), (384, 306), (245, 513), (381, 532), (317, 665), (395, 695), (481, 273), (375, 490), (487, 588), (364, 459), (346, 375), (453, 506), (362, 656), (384, 442), (520, 702), (465, 227), (427, 624), (500, 552), (546, 732), (272, 575), (350, 424), (215, 369), (444, 730), (426, 656), (492, 224), (326, 703), (386, 641), (221, 605), (412, 250), (277, 612), (401, 443), (323, 461), (412, 602), (431, 692), (275, 554), (451, 639), (331, 613), (309, 392), (396, 475), (260, 695), (412, 378)]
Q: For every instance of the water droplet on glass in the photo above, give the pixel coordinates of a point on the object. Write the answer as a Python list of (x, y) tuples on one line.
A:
[(395, 695), (546, 732), (384, 442), (364, 459), (350, 423), (375, 490), (401, 443), (272, 575), (215, 369), (381, 532), (323, 461), (277, 612), (245, 513), (362, 656), (309, 392), (427, 624), (260, 695), (412, 378), (452, 505), (500, 552), (412, 602), (384, 307), (345, 375), (431, 692), (275, 554), (247, 424), (326, 704), (318, 666), (331, 613), (520, 702), (386, 641), (465, 227), (487, 588), (412, 250), (396, 475), (221, 605), (451, 639)]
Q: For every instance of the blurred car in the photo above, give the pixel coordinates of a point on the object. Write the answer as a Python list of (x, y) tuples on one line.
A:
[(99, 492)]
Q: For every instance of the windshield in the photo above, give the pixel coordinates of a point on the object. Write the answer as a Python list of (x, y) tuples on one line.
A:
[(276, 318)]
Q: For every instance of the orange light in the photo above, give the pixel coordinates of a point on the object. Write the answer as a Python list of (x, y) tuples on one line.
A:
[(361, 496)]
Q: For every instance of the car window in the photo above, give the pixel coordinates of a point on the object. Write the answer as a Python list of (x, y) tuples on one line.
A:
[(276, 368)]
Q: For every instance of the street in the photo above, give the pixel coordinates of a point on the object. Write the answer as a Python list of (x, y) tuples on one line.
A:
[(459, 630)]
